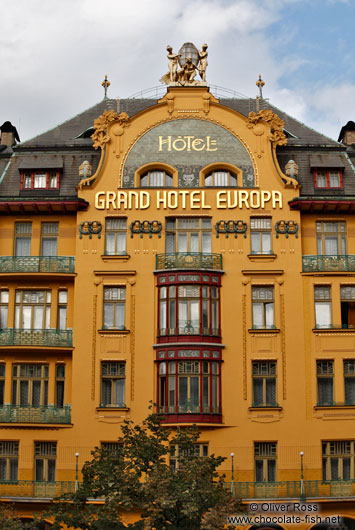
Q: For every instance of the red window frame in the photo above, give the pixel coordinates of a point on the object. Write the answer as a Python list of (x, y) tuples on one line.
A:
[(49, 173), (327, 177)]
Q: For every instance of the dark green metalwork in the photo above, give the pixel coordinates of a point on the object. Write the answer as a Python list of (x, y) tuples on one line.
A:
[(57, 264), (292, 489), (337, 263), (36, 337), (29, 414), (286, 228), (189, 260), (30, 488), (231, 227), (146, 227)]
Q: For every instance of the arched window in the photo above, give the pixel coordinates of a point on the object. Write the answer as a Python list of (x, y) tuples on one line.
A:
[(221, 178), (156, 179)]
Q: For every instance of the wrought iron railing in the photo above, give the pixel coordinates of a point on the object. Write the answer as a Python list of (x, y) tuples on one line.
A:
[(29, 414), (189, 260), (292, 489), (189, 408), (36, 337), (57, 264), (336, 263), (30, 488)]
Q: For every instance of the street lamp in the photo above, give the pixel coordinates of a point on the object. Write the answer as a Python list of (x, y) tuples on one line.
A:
[(232, 490), (76, 471), (302, 496)]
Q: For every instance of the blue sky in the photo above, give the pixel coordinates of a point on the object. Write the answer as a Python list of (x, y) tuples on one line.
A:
[(54, 54)]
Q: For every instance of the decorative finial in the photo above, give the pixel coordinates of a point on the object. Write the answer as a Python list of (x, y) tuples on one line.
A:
[(260, 83), (105, 83)]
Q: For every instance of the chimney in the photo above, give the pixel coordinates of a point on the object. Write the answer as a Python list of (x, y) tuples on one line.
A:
[(347, 134), (8, 134)]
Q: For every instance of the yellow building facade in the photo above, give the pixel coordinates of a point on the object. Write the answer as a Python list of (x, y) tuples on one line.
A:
[(188, 268)]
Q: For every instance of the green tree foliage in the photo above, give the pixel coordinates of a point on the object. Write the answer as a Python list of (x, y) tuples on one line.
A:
[(137, 477), (8, 518)]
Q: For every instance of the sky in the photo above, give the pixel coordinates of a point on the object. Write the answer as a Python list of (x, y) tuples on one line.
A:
[(54, 54)]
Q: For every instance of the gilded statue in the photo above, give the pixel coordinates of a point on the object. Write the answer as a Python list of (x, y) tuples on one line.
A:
[(184, 66)]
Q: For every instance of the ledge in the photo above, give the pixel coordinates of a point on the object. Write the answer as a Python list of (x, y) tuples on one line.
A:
[(112, 409), (273, 272), (114, 331), (333, 330), (262, 257), (115, 257), (267, 409), (264, 330), (115, 273)]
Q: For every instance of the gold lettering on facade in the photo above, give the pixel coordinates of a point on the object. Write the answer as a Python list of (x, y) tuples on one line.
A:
[(187, 143), (276, 199)]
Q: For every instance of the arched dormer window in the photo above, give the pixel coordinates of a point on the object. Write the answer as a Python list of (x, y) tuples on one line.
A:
[(221, 179), (156, 179), (221, 176)]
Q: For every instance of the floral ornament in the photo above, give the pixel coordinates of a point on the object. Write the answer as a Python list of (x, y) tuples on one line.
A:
[(87, 228), (277, 135)]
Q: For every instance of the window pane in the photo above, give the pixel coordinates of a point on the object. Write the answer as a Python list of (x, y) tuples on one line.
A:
[(259, 471), (331, 245), (206, 242), (269, 315), (39, 470), (120, 394), (120, 316), (271, 470), (23, 246), (257, 314), (51, 470), (13, 469), (323, 314), (49, 246), (108, 315)]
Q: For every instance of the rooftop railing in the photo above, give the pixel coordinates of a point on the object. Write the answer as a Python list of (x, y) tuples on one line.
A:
[(292, 489), (29, 414), (189, 260), (36, 337), (336, 263), (56, 264)]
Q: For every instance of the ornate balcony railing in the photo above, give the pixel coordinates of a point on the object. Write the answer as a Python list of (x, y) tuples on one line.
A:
[(62, 338), (56, 264), (30, 488), (292, 489), (29, 414), (336, 263), (189, 260)]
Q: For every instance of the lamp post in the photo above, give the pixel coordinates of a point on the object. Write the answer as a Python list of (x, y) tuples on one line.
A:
[(76, 471), (302, 496), (232, 490)]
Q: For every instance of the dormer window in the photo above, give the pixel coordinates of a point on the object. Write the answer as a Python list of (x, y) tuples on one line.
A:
[(156, 179), (221, 179), (329, 179), (40, 179)]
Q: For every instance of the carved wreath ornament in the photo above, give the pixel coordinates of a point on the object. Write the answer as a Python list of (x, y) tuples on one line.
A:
[(277, 135), (100, 137)]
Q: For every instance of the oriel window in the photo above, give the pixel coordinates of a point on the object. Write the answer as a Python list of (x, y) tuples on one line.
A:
[(32, 309), (30, 384)]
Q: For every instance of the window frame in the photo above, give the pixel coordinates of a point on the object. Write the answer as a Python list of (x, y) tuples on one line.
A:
[(319, 302), (29, 177), (9, 454), (118, 232), (17, 384), (257, 236), (267, 372), (327, 178), (264, 302), (19, 309), (325, 376), (266, 454), (120, 375), (323, 235), (176, 452), (59, 394), (50, 235), (349, 381), (347, 306), (46, 452), (173, 233), (116, 304), (4, 308), (24, 235), (338, 451)]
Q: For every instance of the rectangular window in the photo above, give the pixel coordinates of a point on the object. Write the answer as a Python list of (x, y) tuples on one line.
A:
[(347, 295), (260, 233), (323, 306), (177, 452), (189, 235), (45, 461), (263, 307), (40, 180), (325, 383), (49, 237), (114, 307), (23, 232), (113, 377), (264, 384), (59, 385), (8, 461), (265, 461), (110, 447), (32, 309), (328, 178), (2, 384), (4, 303), (338, 460), (30, 384), (62, 309), (116, 232), (331, 238), (349, 381)]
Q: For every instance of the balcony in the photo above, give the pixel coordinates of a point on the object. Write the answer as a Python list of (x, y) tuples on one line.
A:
[(37, 337), (337, 263), (189, 260), (32, 489), (29, 414), (42, 264), (292, 489)]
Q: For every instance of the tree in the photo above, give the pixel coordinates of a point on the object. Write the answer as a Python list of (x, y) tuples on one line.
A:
[(8, 518), (138, 477)]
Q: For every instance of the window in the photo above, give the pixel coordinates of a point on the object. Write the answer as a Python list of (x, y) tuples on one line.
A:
[(2, 384), (221, 179), (347, 294), (111, 447), (62, 309), (328, 178), (260, 233), (189, 310), (4, 302), (189, 387), (30, 384), (49, 236), (32, 309), (23, 232), (114, 307), (188, 235), (323, 307), (113, 377), (59, 385), (40, 179), (338, 460), (45, 461), (349, 381), (264, 383), (115, 237), (331, 238), (325, 376), (263, 307), (8, 461), (265, 461), (156, 179), (177, 452)]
